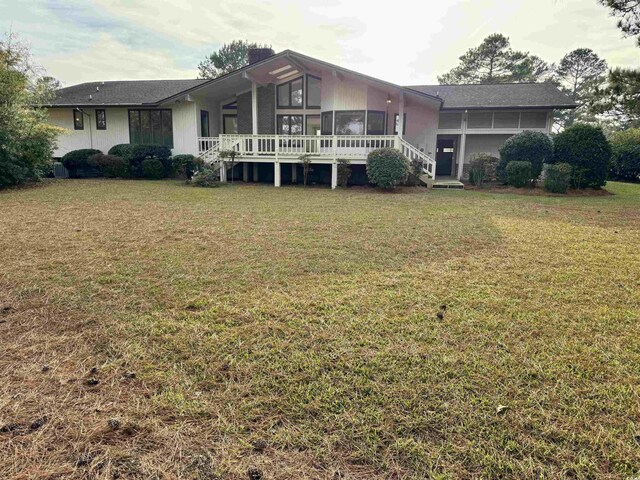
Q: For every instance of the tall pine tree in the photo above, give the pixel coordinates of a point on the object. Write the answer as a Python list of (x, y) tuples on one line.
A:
[(493, 61), (579, 74)]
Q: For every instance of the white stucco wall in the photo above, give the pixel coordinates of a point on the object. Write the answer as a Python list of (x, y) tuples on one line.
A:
[(186, 124)]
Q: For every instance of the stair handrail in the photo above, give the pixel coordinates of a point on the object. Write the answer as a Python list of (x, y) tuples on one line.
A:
[(428, 164)]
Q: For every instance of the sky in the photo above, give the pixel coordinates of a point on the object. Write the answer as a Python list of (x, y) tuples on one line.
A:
[(401, 41)]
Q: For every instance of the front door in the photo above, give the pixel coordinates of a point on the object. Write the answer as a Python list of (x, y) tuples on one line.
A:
[(444, 157)]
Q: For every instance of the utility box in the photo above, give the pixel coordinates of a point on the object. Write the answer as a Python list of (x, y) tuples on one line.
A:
[(59, 171)]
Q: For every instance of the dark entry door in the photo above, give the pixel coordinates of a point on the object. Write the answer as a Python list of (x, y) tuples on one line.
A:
[(444, 157)]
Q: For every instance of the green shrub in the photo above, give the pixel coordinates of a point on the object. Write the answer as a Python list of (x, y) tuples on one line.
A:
[(44, 170), (483, 168), (152, 168), (557, 177), (415, 171), (625, 150), (79, 159), (25, 156), (122, 150), (387, 167), (586, 149), (186, 165), (344, 172), (533, 147), (207, 178), (519, 174), (134, 155), (111, 166)]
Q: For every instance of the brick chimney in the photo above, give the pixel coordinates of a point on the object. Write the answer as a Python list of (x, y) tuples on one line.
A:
[(259, 54)]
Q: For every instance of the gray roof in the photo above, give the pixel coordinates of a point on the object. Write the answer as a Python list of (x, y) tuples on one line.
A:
[(126, 92), (505, 95)]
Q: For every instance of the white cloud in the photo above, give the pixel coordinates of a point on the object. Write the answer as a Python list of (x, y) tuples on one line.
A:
[(404, 41), (109, 59)]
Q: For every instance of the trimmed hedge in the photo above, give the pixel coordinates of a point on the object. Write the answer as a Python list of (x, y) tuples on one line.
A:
[(586, 149), (625, 158), (519, 174), (152, 168), (186, 165), (387, 167), (111, 166), (533, 147), (122, 150), (79, 159), (557, 177), (134, 155)]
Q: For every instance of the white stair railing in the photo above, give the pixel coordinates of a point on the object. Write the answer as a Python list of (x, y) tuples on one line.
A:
[(413, 154), (208, 149)]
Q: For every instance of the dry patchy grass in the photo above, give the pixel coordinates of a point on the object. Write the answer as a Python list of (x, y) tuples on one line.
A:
[(292, 333)]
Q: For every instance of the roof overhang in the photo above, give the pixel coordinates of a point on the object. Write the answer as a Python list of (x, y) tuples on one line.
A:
[(509, 107), (289, 64)]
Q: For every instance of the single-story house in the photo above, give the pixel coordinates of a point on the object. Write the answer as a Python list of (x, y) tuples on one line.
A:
[(281, 106)]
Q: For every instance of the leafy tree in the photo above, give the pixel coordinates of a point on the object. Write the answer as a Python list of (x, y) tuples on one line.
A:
[(26, 139), (493, 61), (620, 98), (625, 147), (628, 14), (579, 74), (230, 57), (48, 83)]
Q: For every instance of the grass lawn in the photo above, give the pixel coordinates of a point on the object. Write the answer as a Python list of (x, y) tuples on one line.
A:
[(254, 332)]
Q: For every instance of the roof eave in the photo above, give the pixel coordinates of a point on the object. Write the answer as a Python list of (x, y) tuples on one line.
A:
[(287, 53), (91, 105), (511, 107)]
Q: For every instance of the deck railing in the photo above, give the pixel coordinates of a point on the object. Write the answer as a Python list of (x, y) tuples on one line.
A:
[(332, 146), (322, 146)]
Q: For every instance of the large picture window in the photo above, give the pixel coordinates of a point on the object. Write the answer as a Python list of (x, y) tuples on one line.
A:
[(204, 123), (101, 119), (230, 124), (313, 91), (78, 120), (350, 122), (290, 94), (375, 122), (327, 123), (151, 127), (290, 124)]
